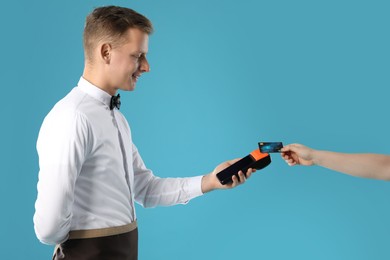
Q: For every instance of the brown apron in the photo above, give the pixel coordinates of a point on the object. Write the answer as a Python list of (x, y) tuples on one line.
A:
[(100, 244)]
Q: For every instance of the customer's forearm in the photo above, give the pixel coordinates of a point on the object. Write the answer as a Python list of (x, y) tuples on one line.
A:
[(375, 166)]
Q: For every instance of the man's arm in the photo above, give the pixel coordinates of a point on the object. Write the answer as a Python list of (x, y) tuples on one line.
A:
[(61, 149), (152, 191), (374, 166)]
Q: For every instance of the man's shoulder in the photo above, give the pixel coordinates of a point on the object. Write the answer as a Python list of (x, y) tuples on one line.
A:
[(65, 120), (71, 101), (68, 106)]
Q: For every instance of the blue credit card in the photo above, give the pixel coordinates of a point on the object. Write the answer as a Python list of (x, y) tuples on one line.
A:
[(270, 147)]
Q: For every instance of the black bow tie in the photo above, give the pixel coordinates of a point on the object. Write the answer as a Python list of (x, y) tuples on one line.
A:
[(115, 102)]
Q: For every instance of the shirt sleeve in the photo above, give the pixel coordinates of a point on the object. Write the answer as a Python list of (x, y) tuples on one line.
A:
[(152, 191), (62, 147)]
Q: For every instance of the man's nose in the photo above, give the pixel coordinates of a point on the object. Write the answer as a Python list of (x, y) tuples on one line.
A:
[(145, 67)]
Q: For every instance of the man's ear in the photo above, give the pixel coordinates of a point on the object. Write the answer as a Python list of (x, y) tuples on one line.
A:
[(105, 52)]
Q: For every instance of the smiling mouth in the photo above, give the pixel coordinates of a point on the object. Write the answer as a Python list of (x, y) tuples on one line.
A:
[(135, 77)]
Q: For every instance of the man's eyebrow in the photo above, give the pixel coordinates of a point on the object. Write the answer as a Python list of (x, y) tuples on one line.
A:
[(139, 52)]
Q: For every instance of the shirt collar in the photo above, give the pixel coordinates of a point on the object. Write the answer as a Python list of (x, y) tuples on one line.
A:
[(94, 91)]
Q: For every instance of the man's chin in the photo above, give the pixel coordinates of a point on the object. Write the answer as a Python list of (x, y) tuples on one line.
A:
[(130, 87)]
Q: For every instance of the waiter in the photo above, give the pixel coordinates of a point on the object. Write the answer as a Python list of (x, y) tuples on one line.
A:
[(91, 173)]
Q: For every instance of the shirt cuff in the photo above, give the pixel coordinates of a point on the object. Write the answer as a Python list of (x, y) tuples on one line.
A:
[(194, 187)]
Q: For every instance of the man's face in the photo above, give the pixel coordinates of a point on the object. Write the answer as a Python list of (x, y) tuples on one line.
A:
[(128, 61)]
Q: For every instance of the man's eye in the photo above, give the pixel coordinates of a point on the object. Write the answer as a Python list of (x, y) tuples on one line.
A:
[(136, 56)]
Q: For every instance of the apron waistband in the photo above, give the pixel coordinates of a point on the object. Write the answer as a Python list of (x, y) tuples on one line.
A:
[(102, 232)]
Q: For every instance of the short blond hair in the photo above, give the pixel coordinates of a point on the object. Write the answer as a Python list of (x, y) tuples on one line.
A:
[(109, 24)]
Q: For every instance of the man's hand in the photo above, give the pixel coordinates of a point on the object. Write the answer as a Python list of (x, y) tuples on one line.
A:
[(210, 181)]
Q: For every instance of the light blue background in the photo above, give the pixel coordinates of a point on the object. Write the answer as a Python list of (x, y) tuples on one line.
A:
[(225, 75)]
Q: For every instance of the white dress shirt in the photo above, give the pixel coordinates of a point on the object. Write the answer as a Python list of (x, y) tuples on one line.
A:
[(91, 172)]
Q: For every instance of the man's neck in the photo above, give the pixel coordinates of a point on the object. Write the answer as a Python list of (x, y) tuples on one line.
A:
[(97, 80)]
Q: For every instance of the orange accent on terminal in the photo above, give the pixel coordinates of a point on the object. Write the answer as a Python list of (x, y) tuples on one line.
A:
[(257, 155)]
